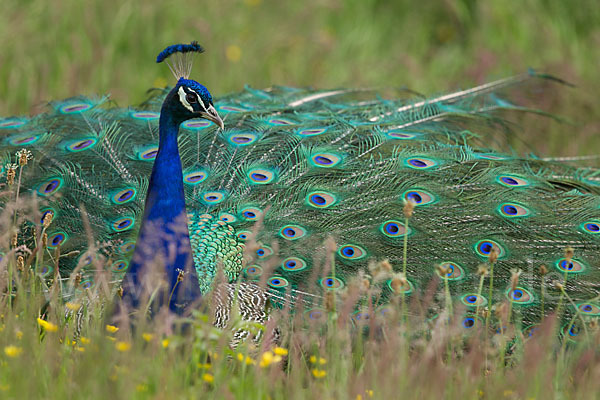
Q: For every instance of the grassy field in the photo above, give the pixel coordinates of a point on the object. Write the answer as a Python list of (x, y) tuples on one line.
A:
[(392, 355), (63, 48), (53, 50)]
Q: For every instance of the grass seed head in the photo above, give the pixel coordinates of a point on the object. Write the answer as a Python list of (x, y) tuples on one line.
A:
[(11, 173), (23, 156), (514, 278), (21, 263), (399, 283), (443, 270), (409, 207), (493, 257), (569, 252), (386, 266), (48, 219), (482, 270), (365, 284)]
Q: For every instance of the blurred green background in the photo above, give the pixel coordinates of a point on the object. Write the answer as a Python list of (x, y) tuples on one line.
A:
[(61, 48)]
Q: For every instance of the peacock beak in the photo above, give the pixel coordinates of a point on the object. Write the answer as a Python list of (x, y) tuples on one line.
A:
[(217, 120), (213, 115)]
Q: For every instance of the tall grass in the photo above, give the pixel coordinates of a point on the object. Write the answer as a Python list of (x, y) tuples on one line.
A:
[(57, 340), (52, 50)]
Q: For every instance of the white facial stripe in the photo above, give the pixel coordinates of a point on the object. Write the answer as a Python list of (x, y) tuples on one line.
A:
[(211, 110), (182, 99)]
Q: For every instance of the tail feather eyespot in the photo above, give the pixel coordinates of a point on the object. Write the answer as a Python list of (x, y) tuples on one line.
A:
[(520, 295), (572, 266), (473, 300), (293, 264), (394, 229), (351, 252), (331, 283)]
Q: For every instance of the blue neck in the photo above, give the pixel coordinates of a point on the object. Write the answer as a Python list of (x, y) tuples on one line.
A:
[(165, 199), (164, 235)]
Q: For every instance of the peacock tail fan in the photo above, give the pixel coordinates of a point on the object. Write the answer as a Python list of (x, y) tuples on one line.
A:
[(326, 176)]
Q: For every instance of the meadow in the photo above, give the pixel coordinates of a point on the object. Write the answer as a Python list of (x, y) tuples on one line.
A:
[(63, 48), (75, 351), (59, 49)]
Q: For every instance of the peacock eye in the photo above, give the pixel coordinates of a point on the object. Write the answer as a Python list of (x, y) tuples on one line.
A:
[(191, 98)]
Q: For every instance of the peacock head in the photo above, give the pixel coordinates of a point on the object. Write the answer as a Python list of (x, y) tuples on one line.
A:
[(189, 99)]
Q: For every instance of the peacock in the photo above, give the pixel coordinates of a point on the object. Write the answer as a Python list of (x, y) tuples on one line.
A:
[(290, 195)]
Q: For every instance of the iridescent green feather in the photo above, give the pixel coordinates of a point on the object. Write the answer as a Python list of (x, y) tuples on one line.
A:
[(312, 165)]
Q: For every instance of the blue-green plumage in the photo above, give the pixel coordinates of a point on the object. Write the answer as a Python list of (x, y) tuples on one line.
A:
[(301, 180)]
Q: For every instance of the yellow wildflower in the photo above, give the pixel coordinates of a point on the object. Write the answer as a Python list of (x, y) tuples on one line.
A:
[(141, 388), (280, 351), (80, 349), (208, 378), (147, 336), (111, 328), (84, 340), (19, 335), (268, 358), (4, 388), (318, 360), (123, 346), (48, 326), (73, 306), (165, 343), (245, 359), (369, 393), (13, 351), (319, 373), (205, 366), (111, 338), (233, 53)]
